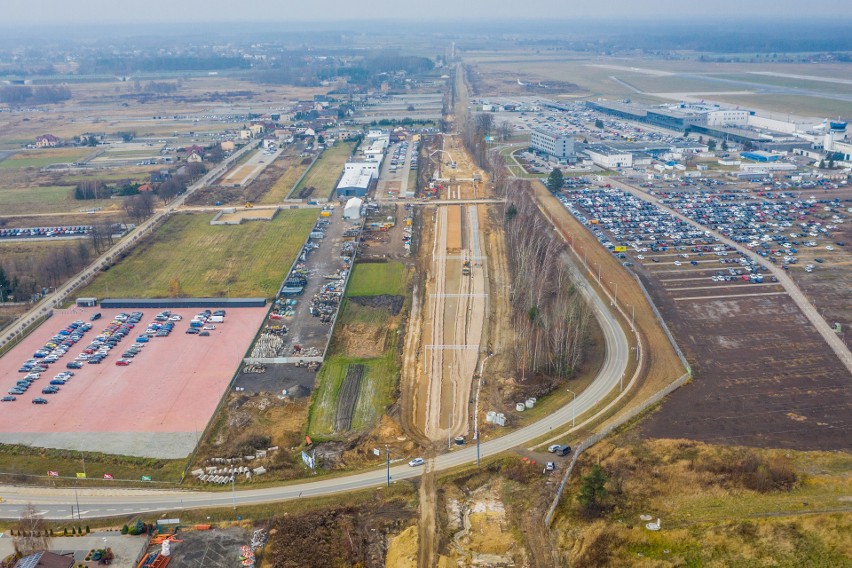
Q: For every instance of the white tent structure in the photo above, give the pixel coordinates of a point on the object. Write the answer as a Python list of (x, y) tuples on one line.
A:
[(352, 209)]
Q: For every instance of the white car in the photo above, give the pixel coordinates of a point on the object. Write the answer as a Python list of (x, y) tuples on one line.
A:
[(553, 448), (416, 461), (209, 327)]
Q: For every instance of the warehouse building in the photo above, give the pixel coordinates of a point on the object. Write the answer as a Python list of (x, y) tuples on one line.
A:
[(355, 183)]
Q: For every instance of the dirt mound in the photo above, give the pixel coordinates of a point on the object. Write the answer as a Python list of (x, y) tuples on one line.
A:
[(298, 391), (391, 303)]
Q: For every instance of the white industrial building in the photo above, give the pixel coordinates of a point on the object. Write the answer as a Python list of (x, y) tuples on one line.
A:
[(370, 166), (354, 183), (609, 157), (352, 209), (553, 144)]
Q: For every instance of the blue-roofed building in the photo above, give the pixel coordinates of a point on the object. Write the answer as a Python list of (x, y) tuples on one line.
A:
[(759, 156)]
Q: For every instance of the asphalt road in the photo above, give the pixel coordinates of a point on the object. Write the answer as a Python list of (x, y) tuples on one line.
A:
[(94, 503)]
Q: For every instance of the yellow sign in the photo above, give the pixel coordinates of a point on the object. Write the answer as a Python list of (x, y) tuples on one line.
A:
[(81, 476), (620, 249)]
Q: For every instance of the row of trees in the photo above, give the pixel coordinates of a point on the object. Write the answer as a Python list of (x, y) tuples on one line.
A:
[(23, 94), (550, 317), (23, 277)]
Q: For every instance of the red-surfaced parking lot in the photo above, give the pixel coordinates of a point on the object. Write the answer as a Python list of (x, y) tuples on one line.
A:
[(173, 385)]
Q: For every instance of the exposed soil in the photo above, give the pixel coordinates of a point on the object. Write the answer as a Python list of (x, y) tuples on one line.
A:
[(392, 304), (344, 536), (763, 376)]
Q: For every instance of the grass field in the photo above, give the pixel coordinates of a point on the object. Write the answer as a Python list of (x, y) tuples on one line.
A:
[(325, 171), (377, 387), (17, 461), (801, 105), (245, 260), (718, 506), (51, 199), (375, 279), (43, 158), (362, 330)]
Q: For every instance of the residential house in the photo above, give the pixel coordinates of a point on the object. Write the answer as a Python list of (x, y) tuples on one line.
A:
[(227, 146), (46, 141)]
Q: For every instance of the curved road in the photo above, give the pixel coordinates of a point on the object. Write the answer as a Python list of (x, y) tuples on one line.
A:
[(57, 503)]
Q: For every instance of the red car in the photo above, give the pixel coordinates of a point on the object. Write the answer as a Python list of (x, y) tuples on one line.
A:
[(122, 363)]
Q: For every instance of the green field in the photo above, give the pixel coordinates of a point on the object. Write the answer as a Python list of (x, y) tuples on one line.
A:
[(377, 386), (326, 170), (44, 158), (51, 199), (375, 279), (361, 323), (246, 260)]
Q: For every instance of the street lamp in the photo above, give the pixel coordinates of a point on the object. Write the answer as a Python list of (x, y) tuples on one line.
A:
[(632, 316), (616, 292), (573, 407)]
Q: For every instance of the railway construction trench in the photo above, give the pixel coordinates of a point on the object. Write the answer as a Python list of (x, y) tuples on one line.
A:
[(457, 313)]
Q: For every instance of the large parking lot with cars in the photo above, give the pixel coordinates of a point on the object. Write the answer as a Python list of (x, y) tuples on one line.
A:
[(132, 382), (762, 374)]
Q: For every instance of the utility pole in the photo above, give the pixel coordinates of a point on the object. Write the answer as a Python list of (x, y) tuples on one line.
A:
[(77, 499), (234, 491), (387, 452), (616, 292), (573, 408)]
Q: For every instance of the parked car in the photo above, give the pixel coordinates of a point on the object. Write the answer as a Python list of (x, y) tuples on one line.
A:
[(39, 400), (9, 398)]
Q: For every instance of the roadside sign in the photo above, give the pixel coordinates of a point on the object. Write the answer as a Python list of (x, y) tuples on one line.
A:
[(107, 476), (53, 473), (81, 475), (146, 478), (377, 452)]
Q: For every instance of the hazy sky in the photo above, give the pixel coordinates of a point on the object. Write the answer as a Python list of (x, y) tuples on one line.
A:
[(144, 11)]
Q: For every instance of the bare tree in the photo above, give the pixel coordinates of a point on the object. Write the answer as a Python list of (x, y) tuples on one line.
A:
[(32, 535), (504, 130)]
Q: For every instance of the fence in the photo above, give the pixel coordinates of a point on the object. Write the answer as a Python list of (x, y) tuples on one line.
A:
[(609, 429)]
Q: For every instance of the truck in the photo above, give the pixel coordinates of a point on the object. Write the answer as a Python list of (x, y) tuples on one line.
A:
[(216, 319), (466, 268)]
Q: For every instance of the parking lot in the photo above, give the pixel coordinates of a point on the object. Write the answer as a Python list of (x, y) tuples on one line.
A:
[(763, 375), (155, 406)]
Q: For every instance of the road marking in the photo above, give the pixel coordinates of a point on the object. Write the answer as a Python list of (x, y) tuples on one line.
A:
[(731, 296), (740, 285)]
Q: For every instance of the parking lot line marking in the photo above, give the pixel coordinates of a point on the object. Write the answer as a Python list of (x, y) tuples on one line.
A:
[(730, 296), (740, 285)]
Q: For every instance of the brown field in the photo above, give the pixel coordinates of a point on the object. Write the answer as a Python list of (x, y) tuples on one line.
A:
[(454, 228), (57, 219)]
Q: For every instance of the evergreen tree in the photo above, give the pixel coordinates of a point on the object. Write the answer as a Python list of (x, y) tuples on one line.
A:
[(593, 490), (555, 180)]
